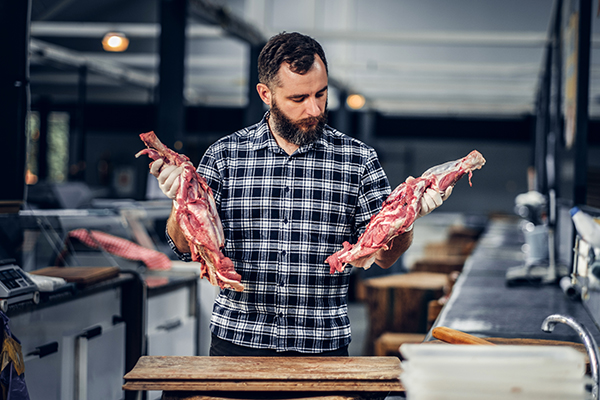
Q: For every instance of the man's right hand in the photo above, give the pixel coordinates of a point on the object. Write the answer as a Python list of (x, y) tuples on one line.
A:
[(168, 177)]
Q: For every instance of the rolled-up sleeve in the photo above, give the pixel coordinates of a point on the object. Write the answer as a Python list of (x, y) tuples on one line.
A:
[(182, 256)]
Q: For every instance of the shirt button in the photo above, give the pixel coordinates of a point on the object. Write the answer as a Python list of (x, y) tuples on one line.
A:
[(287, 189), (281, 283), (280, 315), (285, 220), (283, 253)]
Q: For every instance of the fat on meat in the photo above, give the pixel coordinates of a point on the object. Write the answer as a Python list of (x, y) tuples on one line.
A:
[(400, 210), (196, 213)]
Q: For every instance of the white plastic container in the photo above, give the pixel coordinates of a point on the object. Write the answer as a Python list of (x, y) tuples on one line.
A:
[(463, 372), (586, 226)]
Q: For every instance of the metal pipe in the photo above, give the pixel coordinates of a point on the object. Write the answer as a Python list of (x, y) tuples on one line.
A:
[(586, 337)]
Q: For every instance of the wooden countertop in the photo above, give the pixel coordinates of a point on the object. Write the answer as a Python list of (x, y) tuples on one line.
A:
[(306, 374)]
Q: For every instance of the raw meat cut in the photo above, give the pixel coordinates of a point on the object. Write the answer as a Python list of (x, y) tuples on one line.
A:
[(122, 247), (196, 213), (400, 210)]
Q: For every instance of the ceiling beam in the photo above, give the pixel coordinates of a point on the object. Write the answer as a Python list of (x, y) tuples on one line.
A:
[(445, 38), (131, 30), (226, 23), (113, 70), (150, 60), (219, 15), (439, 68), (395, 70)]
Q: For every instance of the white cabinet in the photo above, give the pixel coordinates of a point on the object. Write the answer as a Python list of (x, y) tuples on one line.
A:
[(99, 353), (74, 349), (172, 322), (174, 338), (42, 371)]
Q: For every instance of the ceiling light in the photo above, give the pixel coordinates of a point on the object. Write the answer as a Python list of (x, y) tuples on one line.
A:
[(115, 41), (355, 101)]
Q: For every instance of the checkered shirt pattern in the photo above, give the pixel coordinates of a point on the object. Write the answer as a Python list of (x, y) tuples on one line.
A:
[(283, 216)]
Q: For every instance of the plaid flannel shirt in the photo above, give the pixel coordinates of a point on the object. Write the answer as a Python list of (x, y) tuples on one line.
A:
[(283, 216)]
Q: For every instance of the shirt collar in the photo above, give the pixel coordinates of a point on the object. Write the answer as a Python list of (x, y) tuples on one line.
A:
[(264, 138), (261, 137)]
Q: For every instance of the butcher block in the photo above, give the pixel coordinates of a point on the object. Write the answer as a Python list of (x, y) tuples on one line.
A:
[(197, 374)]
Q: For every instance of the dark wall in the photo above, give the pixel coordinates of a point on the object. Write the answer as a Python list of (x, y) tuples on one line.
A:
[(14, 101), (513, 130)]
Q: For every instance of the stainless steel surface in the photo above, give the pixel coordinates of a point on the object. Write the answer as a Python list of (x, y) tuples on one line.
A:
[(482, 304), (588, 341)]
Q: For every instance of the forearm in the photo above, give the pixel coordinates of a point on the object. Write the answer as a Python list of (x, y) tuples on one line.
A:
[(176, 233), (396, 247)]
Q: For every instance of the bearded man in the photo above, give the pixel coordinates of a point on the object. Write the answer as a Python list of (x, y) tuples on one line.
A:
[(289, 190)]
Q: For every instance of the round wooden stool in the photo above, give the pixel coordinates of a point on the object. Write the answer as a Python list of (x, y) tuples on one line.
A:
[(389, 343), (399, 303)]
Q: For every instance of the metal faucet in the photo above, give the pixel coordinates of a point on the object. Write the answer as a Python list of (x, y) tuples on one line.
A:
[(588, 341)]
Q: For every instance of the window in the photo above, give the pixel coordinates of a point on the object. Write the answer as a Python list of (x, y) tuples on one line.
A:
[(57, 151)]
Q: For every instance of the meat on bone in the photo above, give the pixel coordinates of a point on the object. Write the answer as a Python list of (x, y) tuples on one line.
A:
[(196, 213), (153, 259), (400, 210)]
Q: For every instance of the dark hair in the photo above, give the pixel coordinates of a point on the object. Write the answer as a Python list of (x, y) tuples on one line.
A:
[(294, 48)]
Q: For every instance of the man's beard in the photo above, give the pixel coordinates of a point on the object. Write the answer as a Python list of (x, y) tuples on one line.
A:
[(301, 132)]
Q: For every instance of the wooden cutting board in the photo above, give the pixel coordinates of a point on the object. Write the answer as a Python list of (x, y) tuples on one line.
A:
[(529, 342), (541, 342), (82, 276), (179, 373), (449, 335)]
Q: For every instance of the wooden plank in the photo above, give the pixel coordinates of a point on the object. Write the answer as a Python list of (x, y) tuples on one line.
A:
[(439, 264), (417, 280), (265, 368), (528, 342), (271, 396), (265, 386), (389, 343), (538, 342)]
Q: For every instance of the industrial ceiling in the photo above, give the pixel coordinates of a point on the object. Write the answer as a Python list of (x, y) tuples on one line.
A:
[(463, 58)]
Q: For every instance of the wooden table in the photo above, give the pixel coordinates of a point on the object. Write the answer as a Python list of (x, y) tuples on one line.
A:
[(200, 378)]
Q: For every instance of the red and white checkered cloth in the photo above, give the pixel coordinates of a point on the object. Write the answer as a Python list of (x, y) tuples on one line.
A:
[(122, 248)]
